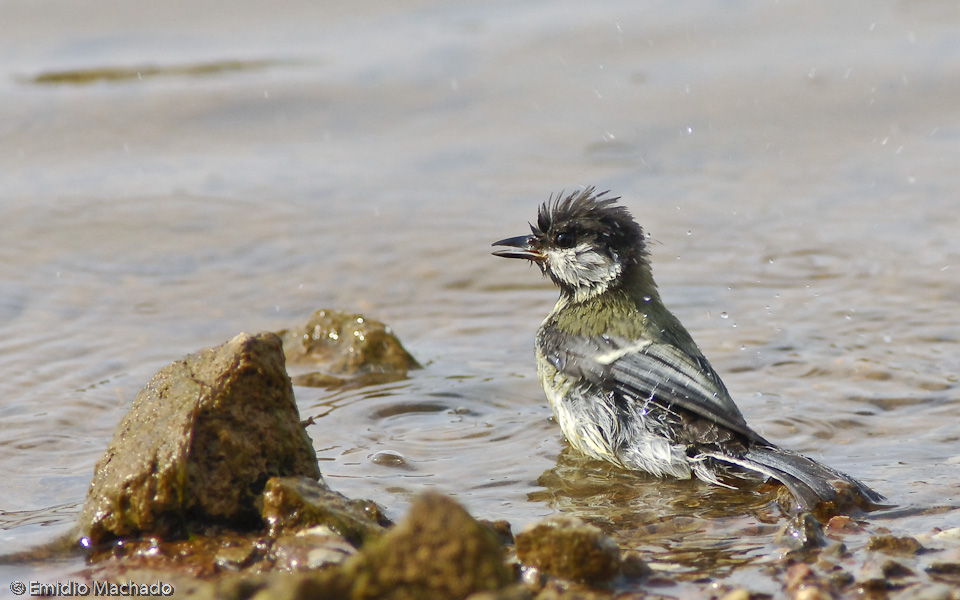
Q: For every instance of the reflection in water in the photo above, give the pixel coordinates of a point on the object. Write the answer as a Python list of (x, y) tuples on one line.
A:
[(671, 521)]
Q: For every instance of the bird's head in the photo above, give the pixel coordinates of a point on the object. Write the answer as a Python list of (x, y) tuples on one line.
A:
[(584, 242)]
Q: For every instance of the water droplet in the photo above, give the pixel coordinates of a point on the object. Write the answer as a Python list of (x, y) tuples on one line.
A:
[(724, 315), (389, 458), (646, 298), (689, 232)]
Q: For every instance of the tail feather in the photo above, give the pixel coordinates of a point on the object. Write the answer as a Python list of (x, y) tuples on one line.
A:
[(808, 481)]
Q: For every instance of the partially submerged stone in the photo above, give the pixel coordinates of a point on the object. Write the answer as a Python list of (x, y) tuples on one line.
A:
[(438, 552), (199, 443), (297, 503), (335, 347), (566, 547), (312, 548), (895, 545), (802, 532)]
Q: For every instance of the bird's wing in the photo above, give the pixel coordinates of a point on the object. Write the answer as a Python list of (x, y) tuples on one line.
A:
[(647, 370)]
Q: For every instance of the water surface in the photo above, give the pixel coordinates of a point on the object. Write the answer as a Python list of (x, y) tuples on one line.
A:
[(176, 175)]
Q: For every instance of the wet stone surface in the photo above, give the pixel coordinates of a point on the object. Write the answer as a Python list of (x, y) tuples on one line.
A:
[(568, 548), (336, 348), (290, 504), (199, 443)]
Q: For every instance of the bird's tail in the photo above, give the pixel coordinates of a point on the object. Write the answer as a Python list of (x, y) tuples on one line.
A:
[(808, 481)]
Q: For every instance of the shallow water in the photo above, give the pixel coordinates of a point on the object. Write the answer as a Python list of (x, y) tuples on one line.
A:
[(794, 164)]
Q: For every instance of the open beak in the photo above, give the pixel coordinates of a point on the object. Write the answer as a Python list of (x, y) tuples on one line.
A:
[(522, 246)]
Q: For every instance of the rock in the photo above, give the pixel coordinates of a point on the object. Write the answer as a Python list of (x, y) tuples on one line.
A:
[(513, 592), (310, 549), (199, 443), (438, 551), (951, 535), (812, 593), (336, 347), (891, 569), (235, 558), (557, 589), (292, 503), (737, 594), (566, 547), (891, 544), (501, 529), (632, 566), (290, 586), (929, 591), (799, 575), (945, 571), (842, 525), (802, 532)]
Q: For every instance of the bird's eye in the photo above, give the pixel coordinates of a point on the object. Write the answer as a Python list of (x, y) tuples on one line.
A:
[(566, 239)]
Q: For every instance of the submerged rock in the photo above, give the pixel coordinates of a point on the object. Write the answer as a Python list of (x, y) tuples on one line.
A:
[(296, 503), (337, 347), (895, 545), (199, 443), (802, 532), (566, 547)]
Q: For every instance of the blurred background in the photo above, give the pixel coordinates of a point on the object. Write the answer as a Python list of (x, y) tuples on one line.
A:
[(172, 174)]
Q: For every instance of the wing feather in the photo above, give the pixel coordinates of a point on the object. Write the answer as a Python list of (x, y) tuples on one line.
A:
[(645, 370)]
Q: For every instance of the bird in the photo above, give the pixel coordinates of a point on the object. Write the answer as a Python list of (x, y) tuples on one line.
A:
[(626, 381)]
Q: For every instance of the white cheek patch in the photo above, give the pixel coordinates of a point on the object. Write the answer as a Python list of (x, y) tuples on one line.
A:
[(583, 268)]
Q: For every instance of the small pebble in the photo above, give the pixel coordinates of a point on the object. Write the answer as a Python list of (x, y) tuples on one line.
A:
[(948, 535), (891, 544)]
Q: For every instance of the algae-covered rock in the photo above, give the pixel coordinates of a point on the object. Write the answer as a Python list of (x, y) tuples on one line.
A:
[(199, 443), (895, 545), (335, 347), (438, 551), (291, 503), (566, 547)]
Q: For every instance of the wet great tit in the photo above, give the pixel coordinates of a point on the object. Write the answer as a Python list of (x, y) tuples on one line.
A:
[(625, 380)]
